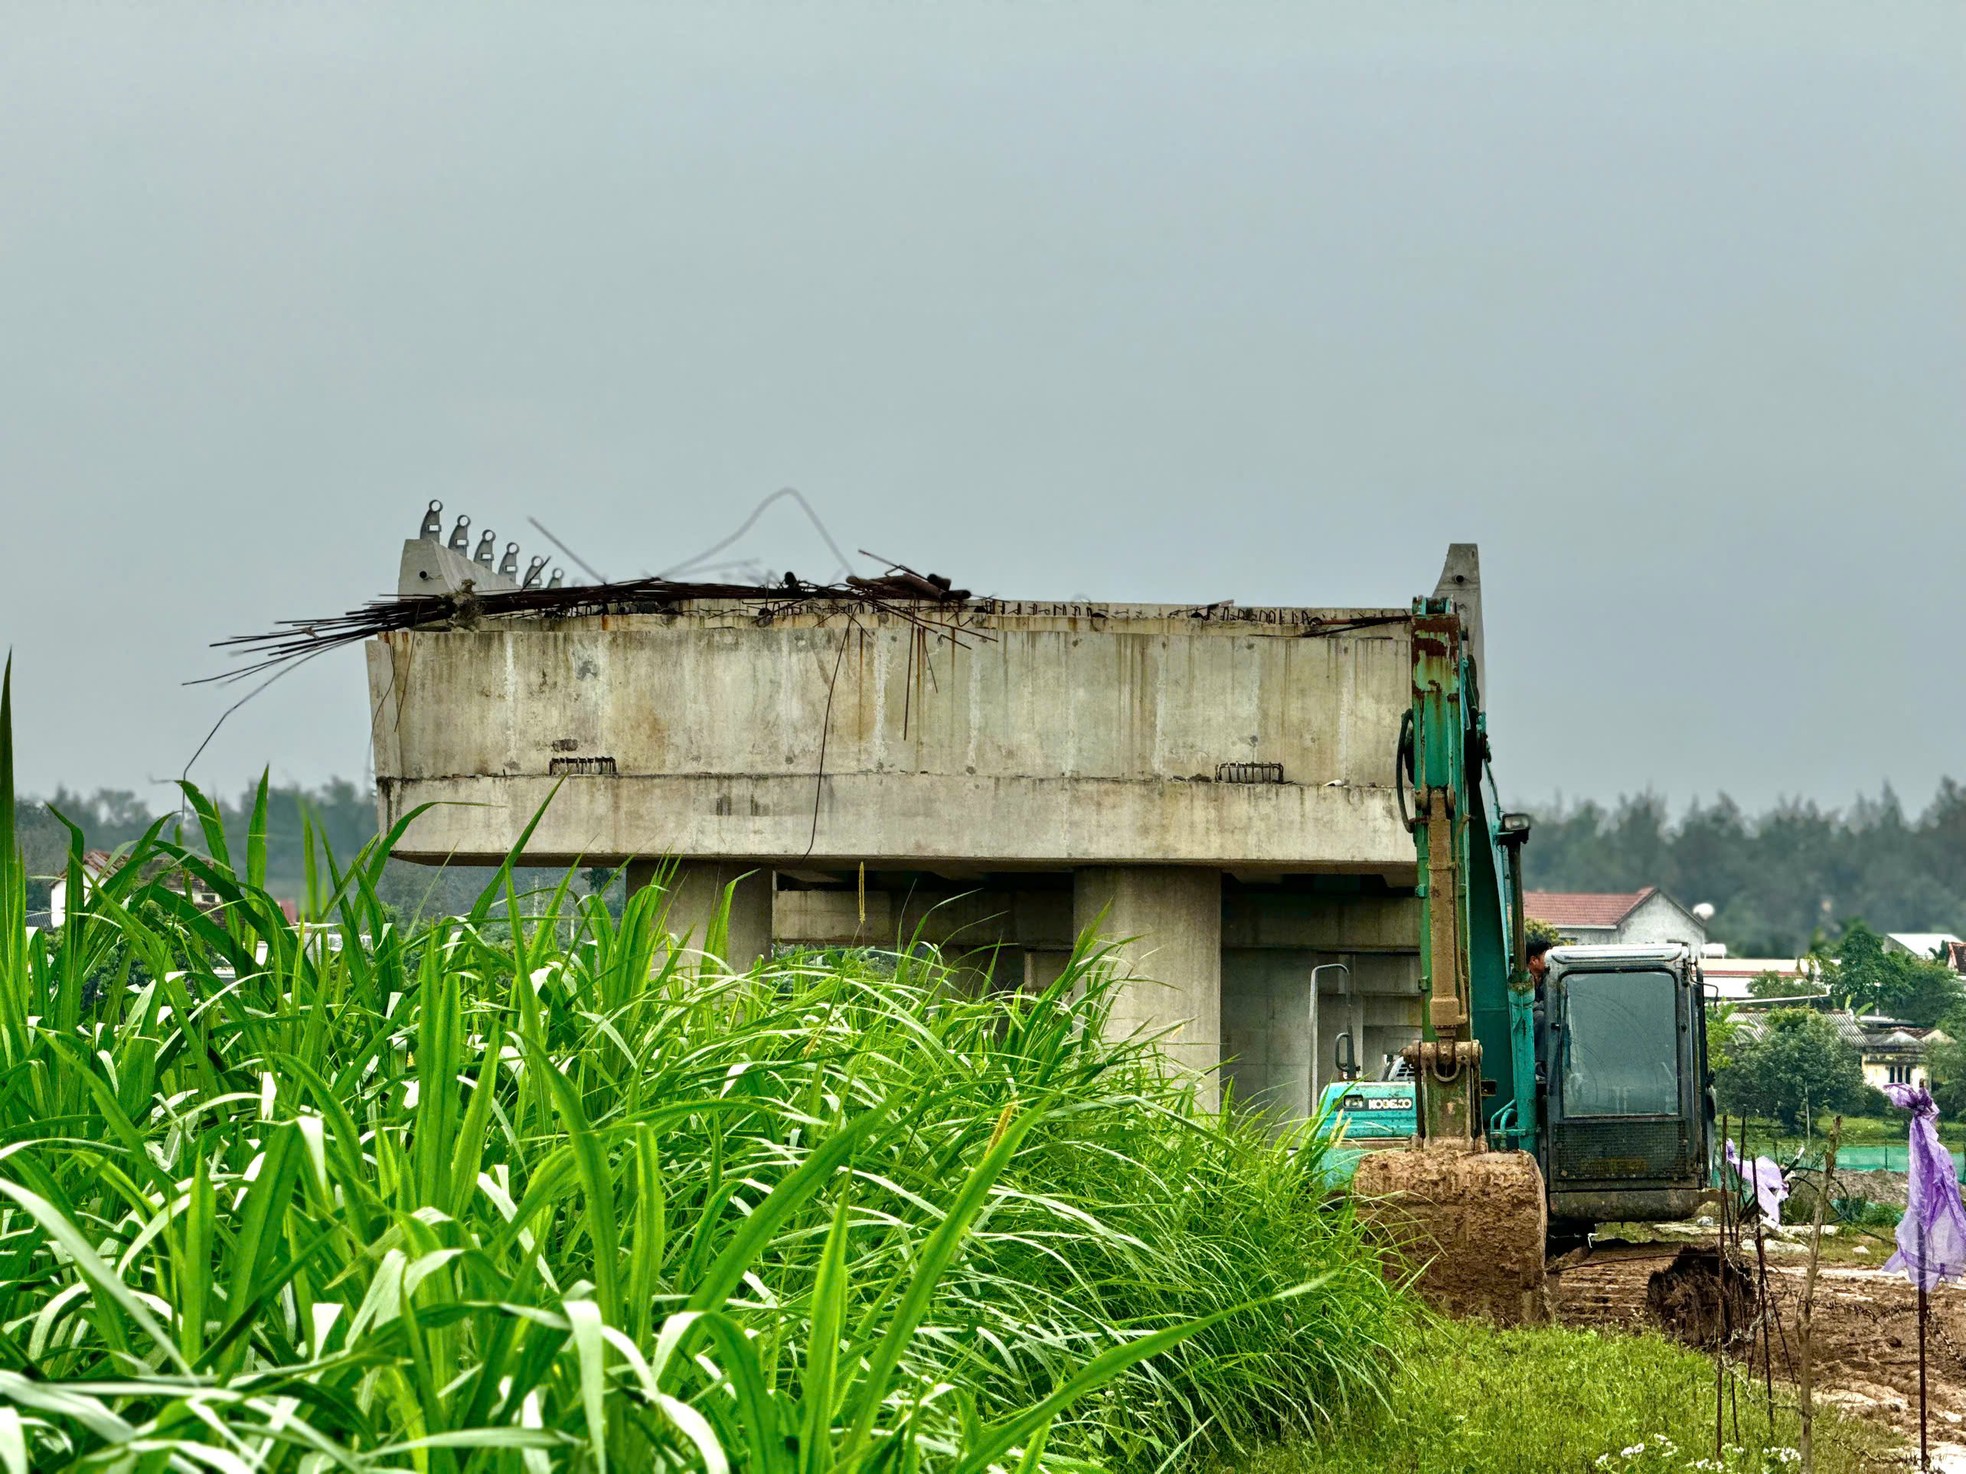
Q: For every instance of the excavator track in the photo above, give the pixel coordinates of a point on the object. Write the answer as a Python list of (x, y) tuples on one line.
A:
[(1471, 1222)]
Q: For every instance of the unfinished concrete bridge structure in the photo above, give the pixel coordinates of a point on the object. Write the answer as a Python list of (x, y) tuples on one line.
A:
[(1212, 784)]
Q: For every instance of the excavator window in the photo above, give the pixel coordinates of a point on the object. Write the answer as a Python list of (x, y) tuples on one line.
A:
[(1621, 1044)]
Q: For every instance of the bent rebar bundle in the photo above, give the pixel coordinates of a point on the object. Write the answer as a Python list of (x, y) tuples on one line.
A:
[(924, 600)]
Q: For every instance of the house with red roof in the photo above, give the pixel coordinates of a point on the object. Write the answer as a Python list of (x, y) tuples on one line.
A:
[(1647, 917)]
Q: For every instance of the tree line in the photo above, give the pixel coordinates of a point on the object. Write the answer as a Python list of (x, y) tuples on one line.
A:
[(341, 816), (1778, 881)]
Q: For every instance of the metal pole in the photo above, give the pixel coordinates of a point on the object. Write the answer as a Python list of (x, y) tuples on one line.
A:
[(1310, 1108), (1924, 1313), (1727, 1198)]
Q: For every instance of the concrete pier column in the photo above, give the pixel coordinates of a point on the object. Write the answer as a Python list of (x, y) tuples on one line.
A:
[(1173, 915), (696, 889)]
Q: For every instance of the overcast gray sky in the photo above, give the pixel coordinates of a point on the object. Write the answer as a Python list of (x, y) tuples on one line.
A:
[(1662, 304)]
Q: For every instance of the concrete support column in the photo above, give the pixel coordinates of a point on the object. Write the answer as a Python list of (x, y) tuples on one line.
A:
[(696, 889), (1173, 962)]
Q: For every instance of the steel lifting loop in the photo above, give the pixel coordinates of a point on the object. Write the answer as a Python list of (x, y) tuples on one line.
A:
[(1403, 769)]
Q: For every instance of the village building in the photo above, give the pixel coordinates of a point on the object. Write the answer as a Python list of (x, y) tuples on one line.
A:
[(99, 863), (1647, 917), (1929, 946), (1729, 979)]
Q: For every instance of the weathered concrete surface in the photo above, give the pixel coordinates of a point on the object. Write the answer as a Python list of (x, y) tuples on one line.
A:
[(1166, 922), (695, 889), (1053, 734), (1052, 767), (1322, 922)]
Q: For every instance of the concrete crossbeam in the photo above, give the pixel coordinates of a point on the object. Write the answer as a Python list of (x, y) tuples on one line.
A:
[(988, 822)]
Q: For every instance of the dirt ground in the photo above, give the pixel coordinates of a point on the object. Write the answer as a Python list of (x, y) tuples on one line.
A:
[(1865, 1339)]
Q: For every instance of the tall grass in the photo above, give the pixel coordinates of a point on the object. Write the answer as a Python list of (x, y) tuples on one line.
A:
[(1551, 1400), (533, 1188)]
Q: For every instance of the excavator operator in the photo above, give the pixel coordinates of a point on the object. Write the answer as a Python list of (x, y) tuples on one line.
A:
[(1537, 960)]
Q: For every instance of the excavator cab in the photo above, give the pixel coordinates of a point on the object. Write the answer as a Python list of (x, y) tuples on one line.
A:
[(1627, 1099)]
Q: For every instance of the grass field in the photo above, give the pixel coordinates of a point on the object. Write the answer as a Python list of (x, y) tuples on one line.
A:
[(1472, 1400)]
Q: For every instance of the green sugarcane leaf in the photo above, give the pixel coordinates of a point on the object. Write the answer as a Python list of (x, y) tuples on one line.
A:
[(100, 1276)]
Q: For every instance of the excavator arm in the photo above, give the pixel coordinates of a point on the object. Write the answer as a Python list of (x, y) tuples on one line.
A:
[(1467, 1201), (1476, 1052)]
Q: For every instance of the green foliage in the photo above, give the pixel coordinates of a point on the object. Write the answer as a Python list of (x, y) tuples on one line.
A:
[(1723, 1027), (1799, 1066), (1536, 930), (530, 1189), (1945, 1063), (1860, 972), (1480, 1401), (339, 816), (1773, 877)]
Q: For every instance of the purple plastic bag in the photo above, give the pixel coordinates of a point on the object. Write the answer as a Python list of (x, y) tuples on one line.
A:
[(1932, 1234), (1770, 1190)]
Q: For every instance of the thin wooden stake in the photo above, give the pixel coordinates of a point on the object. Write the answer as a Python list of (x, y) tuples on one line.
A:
[(1805, 1321), (1733, 1249), (1762, 1296)]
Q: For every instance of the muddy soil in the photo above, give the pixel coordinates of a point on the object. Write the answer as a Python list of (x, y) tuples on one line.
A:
[(1866, 1329), (1475, 1219)]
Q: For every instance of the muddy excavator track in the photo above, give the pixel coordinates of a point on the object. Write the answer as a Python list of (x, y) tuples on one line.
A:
[(1472, 1223)]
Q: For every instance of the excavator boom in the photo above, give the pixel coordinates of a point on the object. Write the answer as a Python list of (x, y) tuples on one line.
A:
[(1467, 1200)]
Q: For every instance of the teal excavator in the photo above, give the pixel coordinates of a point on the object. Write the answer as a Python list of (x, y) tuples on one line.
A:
[(1542, 1108)]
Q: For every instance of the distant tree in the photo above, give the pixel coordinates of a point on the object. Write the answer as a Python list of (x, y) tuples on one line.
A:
[(1723, 1029), (341, 814), (1867, 975), (1945, 1063), (1799, 1066), (1922, 992)]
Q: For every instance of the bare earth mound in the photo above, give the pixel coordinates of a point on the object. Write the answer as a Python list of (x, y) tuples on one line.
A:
[(1866, 1334)]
